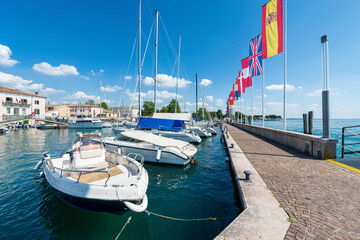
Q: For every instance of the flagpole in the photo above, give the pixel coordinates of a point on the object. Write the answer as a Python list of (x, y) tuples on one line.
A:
[(252, 104), (263, 95), (284, 110), (245, 109)]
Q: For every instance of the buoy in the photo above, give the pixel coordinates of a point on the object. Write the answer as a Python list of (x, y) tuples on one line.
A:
[(38, 165), (119, 150), (42, 174), (227, 159), (137, 208), (158, 155)]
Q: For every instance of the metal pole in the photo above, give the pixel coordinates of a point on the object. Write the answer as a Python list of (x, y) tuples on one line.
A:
[(305, 123), (284, 105), (178, 73), (156, 56), (263, 93), (252, 104), (310, 121), (325, 92), (196, 97), (139, 63), (245, 109), (100, 94), (342, 142), (241, 110)]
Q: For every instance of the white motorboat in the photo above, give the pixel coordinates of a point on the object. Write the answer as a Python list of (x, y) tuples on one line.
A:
[(202, 132), (153, 148), (168, 128), (85, 122), (46, 126), (90, 177), (107, 125)]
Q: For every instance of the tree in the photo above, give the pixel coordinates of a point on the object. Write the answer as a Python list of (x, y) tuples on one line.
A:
[(90, 102), (148, 108), (164, 109), (104, 105), (200, 114), (219, 114), (170, 108)]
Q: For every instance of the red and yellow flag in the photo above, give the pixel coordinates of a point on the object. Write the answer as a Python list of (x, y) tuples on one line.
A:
[(272, 28)]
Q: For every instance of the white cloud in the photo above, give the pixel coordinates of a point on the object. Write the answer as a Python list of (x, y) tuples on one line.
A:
[(333, 92), (128, 77), (109, 88), (166, 81), (92, 73), (205, 82), (280, 87), (18, 82), (80, 95), (210, 98), (5, 54), (101, 71), (85, 77), (150, 94), (220, 102), (61, 70)]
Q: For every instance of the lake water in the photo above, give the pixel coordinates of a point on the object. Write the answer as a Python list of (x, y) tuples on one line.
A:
[(29, 210), (336, 125)]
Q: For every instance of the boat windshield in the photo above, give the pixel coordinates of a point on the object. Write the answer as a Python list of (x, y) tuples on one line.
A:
[(87, 143), (124, 138)]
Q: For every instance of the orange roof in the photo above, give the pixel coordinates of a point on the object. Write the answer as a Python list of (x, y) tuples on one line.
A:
[(15, 91)]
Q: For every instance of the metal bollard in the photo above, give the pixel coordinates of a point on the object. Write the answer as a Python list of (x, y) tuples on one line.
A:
[(247, 176)]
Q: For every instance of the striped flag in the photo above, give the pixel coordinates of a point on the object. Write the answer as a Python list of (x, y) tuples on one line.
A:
[(247, 79), (272, 28)]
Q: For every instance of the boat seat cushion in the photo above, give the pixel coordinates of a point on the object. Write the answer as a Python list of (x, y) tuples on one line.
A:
[(90, 154), (94, 167)]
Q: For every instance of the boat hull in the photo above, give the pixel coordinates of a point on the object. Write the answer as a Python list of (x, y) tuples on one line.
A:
[(111, 206), (86, 125)]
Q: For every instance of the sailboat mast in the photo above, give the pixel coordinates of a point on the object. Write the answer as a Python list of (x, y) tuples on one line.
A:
[(100, 94), (139, 63), (156, 56), (196, 97), (178, 73)]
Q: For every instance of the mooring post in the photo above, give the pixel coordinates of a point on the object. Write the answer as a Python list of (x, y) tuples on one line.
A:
[(310, 122), (325, 90), (305, 123)]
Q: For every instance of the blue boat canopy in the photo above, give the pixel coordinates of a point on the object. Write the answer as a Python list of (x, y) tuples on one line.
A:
[(158, 123)]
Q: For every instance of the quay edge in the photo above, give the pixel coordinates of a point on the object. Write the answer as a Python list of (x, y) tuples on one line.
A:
[(262, 217)]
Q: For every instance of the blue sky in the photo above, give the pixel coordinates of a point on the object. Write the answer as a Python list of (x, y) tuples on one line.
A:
[(62, 49)]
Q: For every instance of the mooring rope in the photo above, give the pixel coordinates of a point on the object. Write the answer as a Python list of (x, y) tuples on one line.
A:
[(197, 163), (181, 219), (129, 219)]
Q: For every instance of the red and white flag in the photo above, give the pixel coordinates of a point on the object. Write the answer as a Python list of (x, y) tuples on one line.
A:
[(246, 77)]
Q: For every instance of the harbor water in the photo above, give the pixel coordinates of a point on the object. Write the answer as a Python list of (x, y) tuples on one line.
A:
[(29, 210), (336, 125)]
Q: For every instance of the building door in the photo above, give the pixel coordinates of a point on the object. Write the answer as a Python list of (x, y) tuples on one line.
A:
[(16, 111)]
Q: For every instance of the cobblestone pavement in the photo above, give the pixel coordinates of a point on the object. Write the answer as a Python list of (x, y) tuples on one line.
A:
[(322, 199)]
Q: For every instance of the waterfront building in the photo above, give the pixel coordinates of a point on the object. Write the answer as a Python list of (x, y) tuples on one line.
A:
[(123, 112), (58, 110), (109, 114), (16, 103), (84, 109)]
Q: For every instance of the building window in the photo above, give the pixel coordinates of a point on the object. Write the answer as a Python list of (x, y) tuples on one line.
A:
[(8, 110), (16, 111), (24, 101), (23, 111), (37, 111), (8, 99), (37, 102)]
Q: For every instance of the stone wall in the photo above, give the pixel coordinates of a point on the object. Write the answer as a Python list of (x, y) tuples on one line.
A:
[(322, 148)]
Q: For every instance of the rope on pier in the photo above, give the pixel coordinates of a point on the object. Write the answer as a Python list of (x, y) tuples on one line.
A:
[(129, 219), (181, 219)]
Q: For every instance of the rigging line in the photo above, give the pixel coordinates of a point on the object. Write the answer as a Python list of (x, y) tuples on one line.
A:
[(181, 219), (127, 222), (167, 35), (172, 71), (147, 44), (167, 57), (127, 72)]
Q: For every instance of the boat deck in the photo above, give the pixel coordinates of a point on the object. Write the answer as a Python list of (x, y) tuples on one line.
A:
[(96, 176)]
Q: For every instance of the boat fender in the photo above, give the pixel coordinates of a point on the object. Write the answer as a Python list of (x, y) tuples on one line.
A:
[(119, 150), (158, 155), (42, 174), (137, 208), (38, 165)]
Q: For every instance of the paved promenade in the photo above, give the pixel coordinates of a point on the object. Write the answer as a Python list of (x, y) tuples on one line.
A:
[(322, 199)]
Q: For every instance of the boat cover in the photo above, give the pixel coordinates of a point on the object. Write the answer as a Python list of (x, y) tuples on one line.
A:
[(187, 117), (157, 123), (155, 139)]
